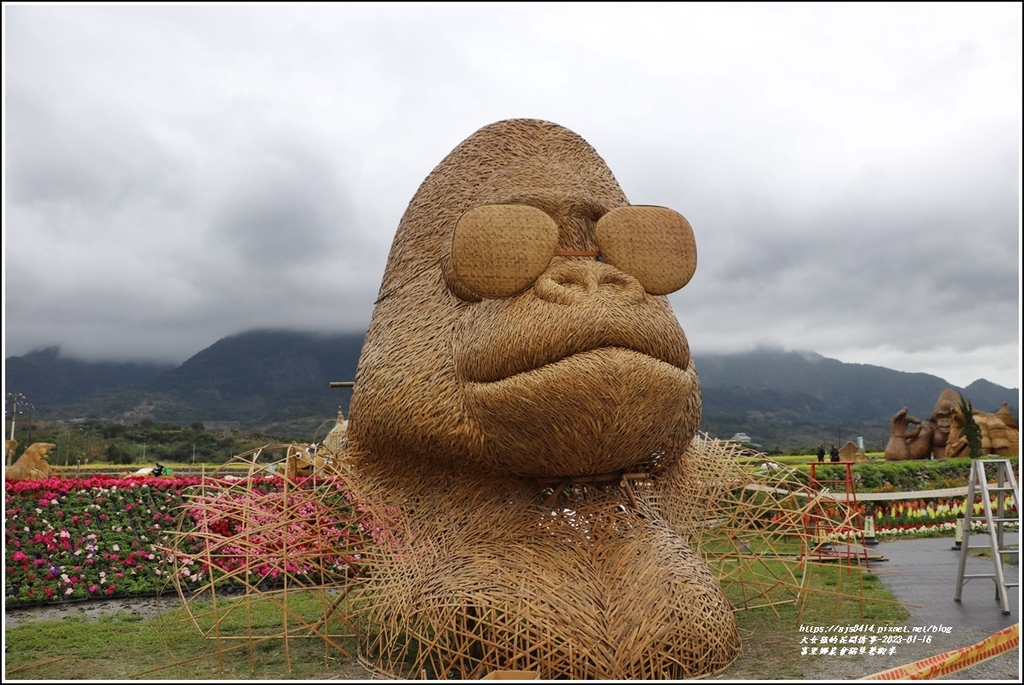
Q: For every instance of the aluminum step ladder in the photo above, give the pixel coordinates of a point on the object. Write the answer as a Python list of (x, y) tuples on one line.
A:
[(1006, 510)]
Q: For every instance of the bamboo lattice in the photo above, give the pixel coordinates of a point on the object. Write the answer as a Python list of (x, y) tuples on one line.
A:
[(241, 539)]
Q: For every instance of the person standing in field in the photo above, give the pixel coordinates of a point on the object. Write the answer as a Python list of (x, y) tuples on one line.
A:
[(821, 453), (834, 453)]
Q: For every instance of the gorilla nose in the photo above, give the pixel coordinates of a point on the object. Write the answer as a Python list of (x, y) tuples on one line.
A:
[(574, 281)]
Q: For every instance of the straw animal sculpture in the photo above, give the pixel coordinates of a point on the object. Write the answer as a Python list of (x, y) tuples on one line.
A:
[(522, 438), (996, 437), (942, 436), (755, 529), (32, 464), (522, 362)]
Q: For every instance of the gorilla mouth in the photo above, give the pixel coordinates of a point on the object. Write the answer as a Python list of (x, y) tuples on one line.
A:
[(510, 366), (599, 411), (499, 342)]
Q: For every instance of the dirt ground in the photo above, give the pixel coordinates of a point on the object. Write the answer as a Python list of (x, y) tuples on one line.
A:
[(147, 607)]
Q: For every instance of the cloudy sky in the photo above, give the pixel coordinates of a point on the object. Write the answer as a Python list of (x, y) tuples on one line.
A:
[(177, 173)]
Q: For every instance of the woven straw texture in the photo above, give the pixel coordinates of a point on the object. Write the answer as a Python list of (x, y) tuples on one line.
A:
[(460, 579), (654, 244), (522, 443), (583, 373), (484, 381), (500, 250), (593, 588)]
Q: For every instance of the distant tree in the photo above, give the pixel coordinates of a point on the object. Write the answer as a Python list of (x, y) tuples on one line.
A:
[(971, 430), (113, 431), (117, 454)]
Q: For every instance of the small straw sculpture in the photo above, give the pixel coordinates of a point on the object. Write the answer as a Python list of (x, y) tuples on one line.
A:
[(521, 445)]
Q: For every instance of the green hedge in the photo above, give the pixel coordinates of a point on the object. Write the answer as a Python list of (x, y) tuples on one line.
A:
[(903, 476)]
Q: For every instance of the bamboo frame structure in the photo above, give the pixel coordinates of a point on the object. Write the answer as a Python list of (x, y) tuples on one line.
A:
[(244, 539)]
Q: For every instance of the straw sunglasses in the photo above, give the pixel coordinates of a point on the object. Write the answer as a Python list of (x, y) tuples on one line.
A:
[(500, 250)]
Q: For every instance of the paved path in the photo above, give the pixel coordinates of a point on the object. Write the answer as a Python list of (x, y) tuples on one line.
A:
[(923, 571), (922, 574)]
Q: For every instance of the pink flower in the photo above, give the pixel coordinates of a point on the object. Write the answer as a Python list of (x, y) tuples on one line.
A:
[(18, 556)]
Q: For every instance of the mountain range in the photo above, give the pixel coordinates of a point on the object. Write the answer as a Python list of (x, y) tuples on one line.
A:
[(280, 382)]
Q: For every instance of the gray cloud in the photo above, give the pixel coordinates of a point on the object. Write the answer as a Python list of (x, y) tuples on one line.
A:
[(175, 174)]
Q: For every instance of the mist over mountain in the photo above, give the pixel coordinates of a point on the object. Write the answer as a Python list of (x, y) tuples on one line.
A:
[(847, 392), (47, 379), (279, 381)]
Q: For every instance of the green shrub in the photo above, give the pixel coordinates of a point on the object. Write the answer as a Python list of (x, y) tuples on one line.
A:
[(900, 476)]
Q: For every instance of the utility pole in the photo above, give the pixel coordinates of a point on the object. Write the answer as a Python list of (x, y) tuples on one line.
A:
[(31, 408), (88, 434), (67, 445), (15, 398)]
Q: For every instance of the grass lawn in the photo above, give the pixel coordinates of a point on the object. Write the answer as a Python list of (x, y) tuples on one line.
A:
[(122, 646)]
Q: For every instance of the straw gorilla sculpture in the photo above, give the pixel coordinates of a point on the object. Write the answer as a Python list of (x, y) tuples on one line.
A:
[(523, 386)]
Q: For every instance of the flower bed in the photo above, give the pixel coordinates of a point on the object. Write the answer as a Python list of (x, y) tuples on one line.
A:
[(72, 539), (254, 534), (935, 517), (932, 516)]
